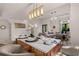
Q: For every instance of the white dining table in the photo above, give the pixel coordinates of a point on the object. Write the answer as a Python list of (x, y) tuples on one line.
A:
[(42, 47)]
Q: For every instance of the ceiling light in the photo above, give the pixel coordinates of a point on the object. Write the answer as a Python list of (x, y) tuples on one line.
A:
[(35, 14), (32, 15), (38, 12), (42, 10)]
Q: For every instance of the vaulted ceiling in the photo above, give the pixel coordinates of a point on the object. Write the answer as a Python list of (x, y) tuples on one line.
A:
[(20, 10)]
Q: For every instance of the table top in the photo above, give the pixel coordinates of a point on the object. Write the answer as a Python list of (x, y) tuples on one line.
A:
[(42, 47)]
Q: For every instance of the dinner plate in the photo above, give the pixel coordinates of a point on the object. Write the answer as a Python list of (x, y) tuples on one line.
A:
[(31, 40)]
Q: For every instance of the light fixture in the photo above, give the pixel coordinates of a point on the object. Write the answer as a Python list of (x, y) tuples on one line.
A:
[(42, 10), (36, 12), (30, 16), (2, 27)]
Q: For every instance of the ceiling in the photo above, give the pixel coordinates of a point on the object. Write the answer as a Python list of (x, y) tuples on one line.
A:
[(20, 11)]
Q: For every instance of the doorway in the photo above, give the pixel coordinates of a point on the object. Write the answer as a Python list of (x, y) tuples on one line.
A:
[(44, 28), (64, 26)]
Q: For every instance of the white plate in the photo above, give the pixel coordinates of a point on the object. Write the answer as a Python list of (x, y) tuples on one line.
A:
[(30, 39)]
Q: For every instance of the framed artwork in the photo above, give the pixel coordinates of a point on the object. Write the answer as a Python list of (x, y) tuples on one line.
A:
[(19, 25)]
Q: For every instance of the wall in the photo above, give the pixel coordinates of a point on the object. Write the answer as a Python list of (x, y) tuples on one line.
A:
[(62, 13), (5, 36), (74, 24), (36, 29), (15, 32)]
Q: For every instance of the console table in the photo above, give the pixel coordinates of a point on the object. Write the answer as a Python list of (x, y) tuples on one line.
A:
[(39, 49)]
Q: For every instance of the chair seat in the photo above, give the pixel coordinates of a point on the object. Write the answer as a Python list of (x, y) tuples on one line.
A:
[(70, 51), (14, 50)]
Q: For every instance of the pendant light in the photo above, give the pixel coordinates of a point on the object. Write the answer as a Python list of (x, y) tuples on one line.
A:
[(41, 10), (36, 12)]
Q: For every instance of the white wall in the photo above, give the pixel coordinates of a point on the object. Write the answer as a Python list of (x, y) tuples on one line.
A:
[(61, 13), (74, 24), (15, 32), (40, 21), (11, 33), (5, 36)]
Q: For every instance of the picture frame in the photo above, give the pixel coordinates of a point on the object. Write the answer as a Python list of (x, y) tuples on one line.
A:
[(19, 25)]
